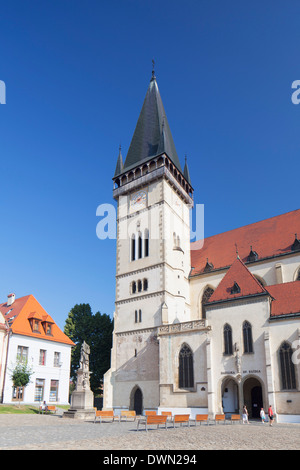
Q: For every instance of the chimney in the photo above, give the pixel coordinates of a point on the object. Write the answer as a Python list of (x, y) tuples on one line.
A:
[(10, 299)]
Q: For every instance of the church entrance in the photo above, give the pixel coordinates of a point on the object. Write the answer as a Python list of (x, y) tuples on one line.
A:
[(136, 400), (230, 396), (253, 397)]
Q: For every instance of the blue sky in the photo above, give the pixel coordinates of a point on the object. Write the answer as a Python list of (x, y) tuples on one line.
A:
[(76, 74)]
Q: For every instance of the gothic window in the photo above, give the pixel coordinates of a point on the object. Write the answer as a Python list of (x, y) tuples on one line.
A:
[(227, 332), (205, 298), (287, 368), (133, 248), (140, 254), (298, 275), (146, 243), (186, 368), (247, 337)]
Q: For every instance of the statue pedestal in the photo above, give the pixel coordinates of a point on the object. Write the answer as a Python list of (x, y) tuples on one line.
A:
[(82, 405), (82, 399)]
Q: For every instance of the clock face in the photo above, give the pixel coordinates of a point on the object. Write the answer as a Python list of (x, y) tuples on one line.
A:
[(138, 200)]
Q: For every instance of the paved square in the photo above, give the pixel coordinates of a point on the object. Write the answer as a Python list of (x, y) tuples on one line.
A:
[(40, 432)]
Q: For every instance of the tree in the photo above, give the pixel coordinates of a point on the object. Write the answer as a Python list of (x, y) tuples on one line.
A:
[(21, 376), (96, 330)]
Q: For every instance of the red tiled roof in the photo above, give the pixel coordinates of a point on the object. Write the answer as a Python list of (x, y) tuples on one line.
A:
[(240, 274), (19, 314), (286, 298), (268, 238)]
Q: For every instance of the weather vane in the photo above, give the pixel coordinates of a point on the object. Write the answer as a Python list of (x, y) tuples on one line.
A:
[(153, 71)]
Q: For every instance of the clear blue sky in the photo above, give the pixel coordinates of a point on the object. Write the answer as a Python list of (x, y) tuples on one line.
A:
[(76, 74)]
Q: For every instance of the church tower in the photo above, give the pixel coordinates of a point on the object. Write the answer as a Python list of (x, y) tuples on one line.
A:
[(154, 199)]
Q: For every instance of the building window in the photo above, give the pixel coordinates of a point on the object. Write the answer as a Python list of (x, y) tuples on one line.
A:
[(287, 368), (53, 390), (146, 242), (145, 284), (298, 275), (39, 390), (227, 340), (56, 362), (247, 337), (18, 394), (22, 354), (133, 287), (140, 286), (205, 298), (140, 254), (133, 248), (186, 368), (138, 316), (42, 360)]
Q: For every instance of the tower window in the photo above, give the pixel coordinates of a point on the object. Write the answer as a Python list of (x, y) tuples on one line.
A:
[(146, 242), (140, 246), (133, 248)]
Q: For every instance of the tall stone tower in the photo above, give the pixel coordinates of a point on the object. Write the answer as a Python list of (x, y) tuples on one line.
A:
[(154, 196)]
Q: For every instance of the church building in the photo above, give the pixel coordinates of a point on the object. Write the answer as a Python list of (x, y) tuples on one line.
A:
[(202, 327)]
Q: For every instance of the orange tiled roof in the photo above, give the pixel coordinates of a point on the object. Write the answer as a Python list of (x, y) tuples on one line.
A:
[(19, 314), (286, 298), (238, 273), (268, 238)]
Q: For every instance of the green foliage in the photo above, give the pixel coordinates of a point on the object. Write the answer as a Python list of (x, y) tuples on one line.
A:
[(21, 375), (96, 330)]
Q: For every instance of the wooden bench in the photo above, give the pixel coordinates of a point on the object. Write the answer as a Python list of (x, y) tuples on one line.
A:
[(181, 419), (168, 414), (150, 413), (219, 418), (128, 414), (201, 419), (153, 420), (48, 408), (235, 418), (105, 414)]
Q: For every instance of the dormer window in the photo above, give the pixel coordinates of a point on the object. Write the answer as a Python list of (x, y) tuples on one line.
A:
[(253, 256), (296, 244), (208, 266), (34, 320), (235, 289), (47, 325)]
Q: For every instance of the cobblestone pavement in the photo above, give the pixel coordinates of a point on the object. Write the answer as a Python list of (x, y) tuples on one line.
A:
[(40, 432)]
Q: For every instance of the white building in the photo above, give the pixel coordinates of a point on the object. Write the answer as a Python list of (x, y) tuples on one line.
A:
[(35, 339), (198, 327)]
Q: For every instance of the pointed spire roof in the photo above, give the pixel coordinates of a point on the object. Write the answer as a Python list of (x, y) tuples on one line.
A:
[(186, 172), (119, 166), (237, 282), (152, 135)]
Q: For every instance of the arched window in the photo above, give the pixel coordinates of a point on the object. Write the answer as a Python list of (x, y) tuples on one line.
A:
[(287, 368), (186, 368), (146, 243), (140, 286), (227, 340), (140, 254), (247, 337), (133, 247), (205, 298), (298, 275), (145, 284), (133, 287)]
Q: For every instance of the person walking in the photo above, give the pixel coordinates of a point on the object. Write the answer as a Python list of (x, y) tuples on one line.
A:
[(245, 415), (262, 415), (271, 415)]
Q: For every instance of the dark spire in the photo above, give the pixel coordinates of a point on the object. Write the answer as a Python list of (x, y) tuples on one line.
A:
[(152, 135), (186, 172), (119, 166)]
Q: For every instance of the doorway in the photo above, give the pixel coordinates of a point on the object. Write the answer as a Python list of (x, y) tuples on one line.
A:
[(253, 397), (230, 396), (136, 400)]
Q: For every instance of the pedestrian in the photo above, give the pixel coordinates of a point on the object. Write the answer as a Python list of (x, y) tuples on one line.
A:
[(271, 415), (262, 415), (245, 415)]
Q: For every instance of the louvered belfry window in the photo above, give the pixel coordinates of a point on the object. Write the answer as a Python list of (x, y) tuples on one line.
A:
[(287, 368), (186, 368)]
